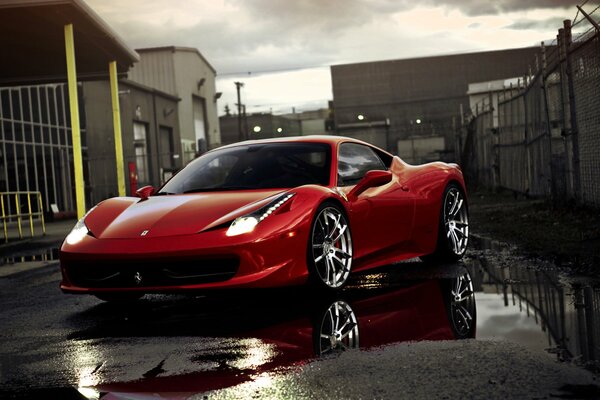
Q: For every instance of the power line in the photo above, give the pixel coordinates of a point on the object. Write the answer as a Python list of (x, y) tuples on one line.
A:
[(267, 71)]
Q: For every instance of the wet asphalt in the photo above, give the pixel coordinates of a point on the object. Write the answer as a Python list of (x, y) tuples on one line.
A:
[(525, 330)]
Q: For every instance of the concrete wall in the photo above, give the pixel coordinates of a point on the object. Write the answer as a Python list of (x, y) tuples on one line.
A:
[(313, 126), (421, 149)]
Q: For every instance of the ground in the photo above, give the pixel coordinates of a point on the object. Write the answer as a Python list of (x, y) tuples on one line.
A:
[(566, 234)]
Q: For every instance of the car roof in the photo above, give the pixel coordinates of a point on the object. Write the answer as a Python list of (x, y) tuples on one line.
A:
[(328, 139)]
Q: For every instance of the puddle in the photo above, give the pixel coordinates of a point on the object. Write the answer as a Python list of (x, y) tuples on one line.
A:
[(201, 343), (46, 254), (217, 342), (531, 303)]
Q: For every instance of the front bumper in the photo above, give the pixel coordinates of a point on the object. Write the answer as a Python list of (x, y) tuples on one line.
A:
[(206, 260)]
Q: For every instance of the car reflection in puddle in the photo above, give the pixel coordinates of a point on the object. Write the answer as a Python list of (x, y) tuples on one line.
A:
[(195, 345)]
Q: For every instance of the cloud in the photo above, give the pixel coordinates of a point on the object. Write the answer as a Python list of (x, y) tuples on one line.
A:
[(551, 24), (240, 36), (479, 8)]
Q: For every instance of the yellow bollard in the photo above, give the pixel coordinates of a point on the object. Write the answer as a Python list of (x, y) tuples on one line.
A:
[(4, 219), (30, 213), (42, 213), (114, 93), (75, 127), (19, 216)]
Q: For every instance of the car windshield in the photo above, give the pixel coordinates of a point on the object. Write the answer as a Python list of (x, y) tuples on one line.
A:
[(254, 166)]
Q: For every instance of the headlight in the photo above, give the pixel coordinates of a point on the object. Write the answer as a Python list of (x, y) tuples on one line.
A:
[(248, 222), (242, 225), (79, 230), (77, 233)]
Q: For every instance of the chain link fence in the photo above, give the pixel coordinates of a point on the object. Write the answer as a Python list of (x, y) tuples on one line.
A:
[(543, 137)]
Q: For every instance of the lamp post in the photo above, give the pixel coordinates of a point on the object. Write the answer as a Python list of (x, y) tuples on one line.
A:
[(238, 86)]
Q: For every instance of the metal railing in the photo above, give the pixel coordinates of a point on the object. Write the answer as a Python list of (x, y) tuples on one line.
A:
[(16, 201)]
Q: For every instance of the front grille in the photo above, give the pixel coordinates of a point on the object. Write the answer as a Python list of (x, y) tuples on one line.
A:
[(146, 273)]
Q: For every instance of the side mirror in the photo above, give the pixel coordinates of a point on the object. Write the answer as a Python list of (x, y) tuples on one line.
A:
[(145, 192), (371, 179)]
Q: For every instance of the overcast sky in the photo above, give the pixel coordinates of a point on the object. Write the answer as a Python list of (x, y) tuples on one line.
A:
[(282, 50)]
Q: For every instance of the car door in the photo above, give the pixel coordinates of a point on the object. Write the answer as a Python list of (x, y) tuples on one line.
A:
[(381, 217)]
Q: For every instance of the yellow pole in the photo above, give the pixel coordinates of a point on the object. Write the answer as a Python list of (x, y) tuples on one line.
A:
[(4, 219), (41, 209), (18, 215), (30, 214), (114, 93), (75, 129)]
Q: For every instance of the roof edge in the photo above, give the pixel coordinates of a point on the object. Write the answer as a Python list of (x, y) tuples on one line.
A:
[(438, 56), (174, 48)]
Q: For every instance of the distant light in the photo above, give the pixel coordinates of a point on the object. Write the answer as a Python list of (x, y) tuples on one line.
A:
[(360, 117), (418, 121), (256, 129), (279, 130)]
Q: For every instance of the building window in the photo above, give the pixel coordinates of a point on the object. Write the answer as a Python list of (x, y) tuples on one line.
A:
[(140, 145)]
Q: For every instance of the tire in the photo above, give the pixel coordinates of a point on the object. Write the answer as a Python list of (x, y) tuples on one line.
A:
[(329, 253), (453, 228), (119, 298)]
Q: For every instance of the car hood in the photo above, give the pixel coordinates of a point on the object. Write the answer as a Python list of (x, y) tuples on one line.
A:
[(127, 217)]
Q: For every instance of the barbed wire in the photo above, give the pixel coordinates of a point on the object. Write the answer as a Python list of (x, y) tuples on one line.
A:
[(575, 22)]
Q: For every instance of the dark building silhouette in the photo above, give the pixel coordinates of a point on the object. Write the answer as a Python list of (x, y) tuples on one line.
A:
[(384, 102)]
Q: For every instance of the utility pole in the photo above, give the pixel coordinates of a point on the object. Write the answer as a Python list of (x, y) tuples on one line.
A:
[(239, 85)]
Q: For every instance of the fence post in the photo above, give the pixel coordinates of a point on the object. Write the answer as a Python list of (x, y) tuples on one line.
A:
[(563, 112), (573, 111), (526, 134), (543, 82)]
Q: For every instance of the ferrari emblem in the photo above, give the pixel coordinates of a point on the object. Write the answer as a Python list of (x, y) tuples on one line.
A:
[(144, 233), (137, 278)]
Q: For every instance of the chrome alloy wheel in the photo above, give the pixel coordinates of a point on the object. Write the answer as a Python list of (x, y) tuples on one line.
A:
[(456, 221), (332, 247), (339, 329), (462, 305)]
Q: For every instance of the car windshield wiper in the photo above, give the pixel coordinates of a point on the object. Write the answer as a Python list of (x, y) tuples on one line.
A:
[(218, 189), (163, 193)]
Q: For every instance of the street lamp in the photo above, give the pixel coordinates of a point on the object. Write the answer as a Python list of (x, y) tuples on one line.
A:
[(360, 117), (256, 129)]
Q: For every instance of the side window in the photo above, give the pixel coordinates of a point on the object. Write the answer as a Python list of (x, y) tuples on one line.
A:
[(354, 160)]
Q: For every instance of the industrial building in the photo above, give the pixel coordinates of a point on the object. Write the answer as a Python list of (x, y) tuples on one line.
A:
[(256, 126), (183, 72), (416, 103), (268, 125)]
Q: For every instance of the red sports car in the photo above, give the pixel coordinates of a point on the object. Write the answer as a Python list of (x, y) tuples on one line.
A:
[(269, 213)]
